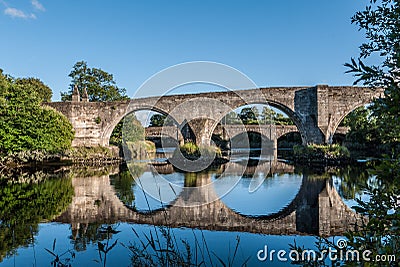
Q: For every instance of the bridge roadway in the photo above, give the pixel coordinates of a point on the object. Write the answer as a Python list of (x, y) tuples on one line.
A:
[(316, 111), (317, 209)]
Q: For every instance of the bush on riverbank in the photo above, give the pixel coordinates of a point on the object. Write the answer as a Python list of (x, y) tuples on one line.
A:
[(16, 159), (321, 153), (192, 151), (25, 125)]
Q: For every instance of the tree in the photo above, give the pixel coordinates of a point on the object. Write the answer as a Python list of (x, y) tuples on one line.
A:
[(128, 130), (25, 125), (100, 85), (268, 116), (249, 115), (159, 120), (380, 21), (35, 85), (362, 126), (133, 131)]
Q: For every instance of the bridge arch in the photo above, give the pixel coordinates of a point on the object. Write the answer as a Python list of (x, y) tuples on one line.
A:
[(106, 134), (288, 139), (297, 120), (170, 135), (252, 133), (286, 133), (345, 112)]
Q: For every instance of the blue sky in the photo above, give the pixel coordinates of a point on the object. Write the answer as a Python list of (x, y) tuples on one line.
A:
[(275, 43)]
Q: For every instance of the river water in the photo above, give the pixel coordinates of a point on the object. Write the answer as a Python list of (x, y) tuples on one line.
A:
[(218, 215)]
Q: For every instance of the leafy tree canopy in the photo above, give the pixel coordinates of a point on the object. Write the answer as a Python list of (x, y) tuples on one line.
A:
[(133, 131), (380, 22), (158, 120), (362, 126), (100, 85), (25, 124), (249, 115), (35, 85)]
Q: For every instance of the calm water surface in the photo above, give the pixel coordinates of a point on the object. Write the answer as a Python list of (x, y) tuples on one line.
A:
[(212, 211)]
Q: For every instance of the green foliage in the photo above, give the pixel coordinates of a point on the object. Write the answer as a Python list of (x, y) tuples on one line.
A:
[(116, 135), (26, 125), (354, 180), (23, 206), (158, 120), (123, 184), (88, 234), (363, 126), (133, 130), (43, 92), (127, 130), (190, 179), (379, 21), (321, 151), (192, 151), (100, 85), (190, 148), (89, 153), (269, 116), (249, 115)]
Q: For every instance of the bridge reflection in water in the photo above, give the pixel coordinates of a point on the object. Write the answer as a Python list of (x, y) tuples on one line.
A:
[(317, 209)]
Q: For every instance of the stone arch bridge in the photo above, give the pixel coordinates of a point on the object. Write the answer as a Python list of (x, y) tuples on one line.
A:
[(279, 131), (317, 209), (316, 111)]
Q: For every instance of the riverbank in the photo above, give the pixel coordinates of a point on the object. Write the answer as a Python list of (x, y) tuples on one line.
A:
[(313, 155), (93, 156)]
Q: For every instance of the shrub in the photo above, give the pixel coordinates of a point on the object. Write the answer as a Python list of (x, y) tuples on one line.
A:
[(192, 151), (325, 151), (25, 125)]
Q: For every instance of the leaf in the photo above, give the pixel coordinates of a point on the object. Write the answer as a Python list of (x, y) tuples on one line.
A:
[(354, 63), (51, 252)]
